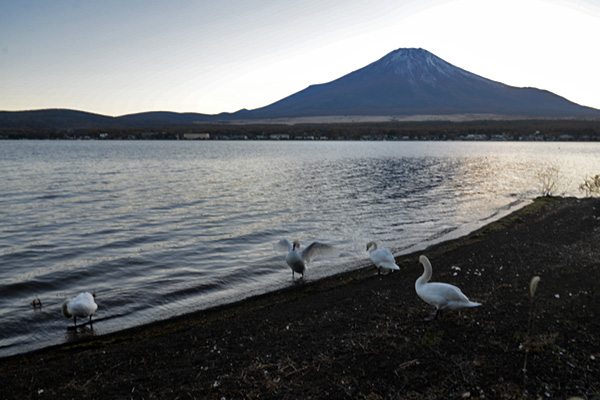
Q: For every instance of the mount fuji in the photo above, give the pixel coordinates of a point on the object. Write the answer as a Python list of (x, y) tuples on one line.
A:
[(416, 82), (403, 85)]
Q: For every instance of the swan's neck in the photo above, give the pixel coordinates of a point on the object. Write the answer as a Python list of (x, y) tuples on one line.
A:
[(423, 279), (372, 247), (65, 309)]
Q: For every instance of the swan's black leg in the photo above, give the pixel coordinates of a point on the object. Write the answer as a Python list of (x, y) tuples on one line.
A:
[(433, 315)]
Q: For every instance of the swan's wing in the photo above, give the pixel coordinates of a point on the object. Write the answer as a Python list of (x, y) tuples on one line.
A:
[(283, 245), (317, 249), (449, 292), (83, 305)]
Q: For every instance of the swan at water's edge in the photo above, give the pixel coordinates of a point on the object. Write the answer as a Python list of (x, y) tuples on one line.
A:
[(81, 306), (443, 296), (297, 259), (382, 258)]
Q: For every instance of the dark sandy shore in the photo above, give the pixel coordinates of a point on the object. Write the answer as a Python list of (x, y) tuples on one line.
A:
[(360, 335)]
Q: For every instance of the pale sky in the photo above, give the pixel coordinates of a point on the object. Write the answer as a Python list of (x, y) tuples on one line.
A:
[(117, 57)]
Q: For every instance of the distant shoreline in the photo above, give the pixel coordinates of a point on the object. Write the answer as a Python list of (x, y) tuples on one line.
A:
[(345, 128), (70, 124), (361, 119)]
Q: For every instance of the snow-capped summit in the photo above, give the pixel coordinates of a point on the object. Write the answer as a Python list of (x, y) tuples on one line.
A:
[(419, 66)]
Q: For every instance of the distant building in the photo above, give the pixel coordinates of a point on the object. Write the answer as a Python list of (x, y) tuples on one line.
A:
[(279, 136), (150, 135), (475, 137), (196, 136), (566, 138)]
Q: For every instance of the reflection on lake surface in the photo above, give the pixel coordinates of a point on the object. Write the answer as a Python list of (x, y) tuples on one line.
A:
[(163, 228)]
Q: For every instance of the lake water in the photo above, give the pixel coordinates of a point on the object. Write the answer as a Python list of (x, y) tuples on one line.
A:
[(159, 229)]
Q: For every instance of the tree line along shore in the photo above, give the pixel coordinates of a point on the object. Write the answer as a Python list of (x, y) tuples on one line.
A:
[(520, 130)]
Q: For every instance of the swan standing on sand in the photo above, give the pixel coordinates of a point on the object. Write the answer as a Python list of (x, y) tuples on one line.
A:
[(382, 258), (297, 259), (441, 295), (81, 306)]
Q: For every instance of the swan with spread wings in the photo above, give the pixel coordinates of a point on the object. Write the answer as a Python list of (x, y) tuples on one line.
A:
[(297, 258)]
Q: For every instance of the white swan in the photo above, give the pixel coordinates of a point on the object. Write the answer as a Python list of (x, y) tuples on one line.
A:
[(297, 259), (81, 306), (382, 258), (441, 295)]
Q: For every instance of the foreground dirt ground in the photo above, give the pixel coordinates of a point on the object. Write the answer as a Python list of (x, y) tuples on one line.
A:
[(360, 335)]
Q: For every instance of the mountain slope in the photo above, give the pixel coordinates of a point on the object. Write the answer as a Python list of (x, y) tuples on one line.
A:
[(55, 120), (63, 119), (414, 81), (163, 118)]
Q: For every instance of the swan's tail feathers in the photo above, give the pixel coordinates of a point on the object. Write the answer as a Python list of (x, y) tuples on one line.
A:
[(389, 266), (473, 304)]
